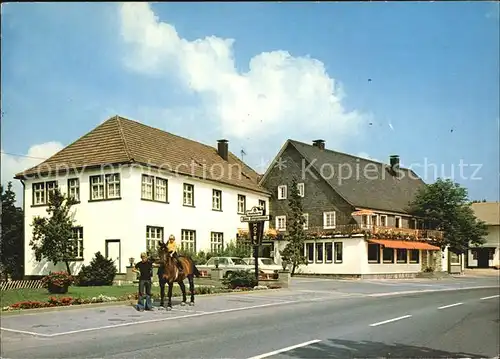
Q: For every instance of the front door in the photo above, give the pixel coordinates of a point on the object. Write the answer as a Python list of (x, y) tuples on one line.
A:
[(113, 252), (483, 257)]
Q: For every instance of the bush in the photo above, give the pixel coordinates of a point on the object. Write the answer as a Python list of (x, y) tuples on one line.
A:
[(240, 279), (101, 271), (57, 280)]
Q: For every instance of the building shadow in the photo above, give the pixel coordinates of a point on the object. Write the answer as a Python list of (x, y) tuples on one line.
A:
[(339, 348)]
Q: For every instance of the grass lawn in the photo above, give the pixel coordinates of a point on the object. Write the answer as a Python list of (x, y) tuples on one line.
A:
[(12, 296)]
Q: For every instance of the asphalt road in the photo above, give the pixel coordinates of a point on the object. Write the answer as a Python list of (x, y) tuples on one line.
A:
[(316, 319)]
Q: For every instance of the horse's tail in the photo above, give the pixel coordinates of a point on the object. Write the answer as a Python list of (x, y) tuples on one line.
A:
[(196, 272)]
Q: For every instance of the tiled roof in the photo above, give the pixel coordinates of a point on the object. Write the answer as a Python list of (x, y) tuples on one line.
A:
[(377, 189), (488, 212), (120, 140)]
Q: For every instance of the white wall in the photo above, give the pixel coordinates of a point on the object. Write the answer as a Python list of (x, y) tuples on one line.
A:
[(126, 219), (492, 240)]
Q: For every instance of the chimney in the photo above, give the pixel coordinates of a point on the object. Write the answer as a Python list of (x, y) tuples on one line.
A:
[(222, 149), (319, 143), (394, 161)]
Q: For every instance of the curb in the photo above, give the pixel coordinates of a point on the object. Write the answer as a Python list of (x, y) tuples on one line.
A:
[(118, 303), (429, 291)]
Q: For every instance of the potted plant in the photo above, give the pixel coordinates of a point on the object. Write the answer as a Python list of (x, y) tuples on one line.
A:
[(58, 282)]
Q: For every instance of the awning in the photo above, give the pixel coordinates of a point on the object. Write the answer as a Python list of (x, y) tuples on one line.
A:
[(362, 212), (389, 243)]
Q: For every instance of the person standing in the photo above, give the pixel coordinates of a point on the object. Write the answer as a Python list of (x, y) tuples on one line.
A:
[(145, 270)]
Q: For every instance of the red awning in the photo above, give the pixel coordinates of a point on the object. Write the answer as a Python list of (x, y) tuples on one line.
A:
[(390, 243)]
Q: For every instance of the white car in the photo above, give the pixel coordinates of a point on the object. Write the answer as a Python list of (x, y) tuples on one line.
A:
[(227, 264), (266, 265)]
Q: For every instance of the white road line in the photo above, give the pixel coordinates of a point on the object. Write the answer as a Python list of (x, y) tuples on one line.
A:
[(390, 320), (429, 291), (25, 332), (265, 355), (493, 296), (450, 305)]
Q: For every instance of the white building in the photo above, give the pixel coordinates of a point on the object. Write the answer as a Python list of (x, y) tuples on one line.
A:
[(136, 185), (487, 255)]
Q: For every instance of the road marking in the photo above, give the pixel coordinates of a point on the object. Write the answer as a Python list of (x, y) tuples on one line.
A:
[(265, 355), (429, 291), (450, 305), (25, 332), (493, 296), (390, 320)]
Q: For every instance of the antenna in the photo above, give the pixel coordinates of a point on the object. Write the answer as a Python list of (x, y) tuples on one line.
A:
[(243, 153)]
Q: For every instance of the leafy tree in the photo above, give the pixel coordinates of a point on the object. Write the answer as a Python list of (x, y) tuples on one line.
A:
[(294, 250), (12, 234), (444, 204), (52, 235)]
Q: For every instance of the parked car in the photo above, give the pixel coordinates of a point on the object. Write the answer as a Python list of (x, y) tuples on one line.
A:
[(227, 264), (266, 265)]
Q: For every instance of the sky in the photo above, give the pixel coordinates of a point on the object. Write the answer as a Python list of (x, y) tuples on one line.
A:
[(419, 79)]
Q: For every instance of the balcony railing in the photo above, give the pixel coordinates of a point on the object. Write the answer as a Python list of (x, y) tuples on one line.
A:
[(372, 231), (377, 232)]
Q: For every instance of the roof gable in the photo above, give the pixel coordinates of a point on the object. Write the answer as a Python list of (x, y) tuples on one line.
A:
[(488, 212), (362, 182), (120, 140)]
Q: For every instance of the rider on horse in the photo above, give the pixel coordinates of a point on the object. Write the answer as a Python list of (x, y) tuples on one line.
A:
[(172, 250)]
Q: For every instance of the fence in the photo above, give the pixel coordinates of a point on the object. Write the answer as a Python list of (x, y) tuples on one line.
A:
[(21, 284)]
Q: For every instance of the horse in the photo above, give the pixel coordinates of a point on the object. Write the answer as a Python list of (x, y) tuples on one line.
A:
[(171, 274)]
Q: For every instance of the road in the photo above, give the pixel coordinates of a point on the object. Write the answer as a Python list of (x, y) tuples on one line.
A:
[(314, 319)]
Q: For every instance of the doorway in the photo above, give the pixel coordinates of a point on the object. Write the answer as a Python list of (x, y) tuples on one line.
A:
[(113, 252), (483, 257)]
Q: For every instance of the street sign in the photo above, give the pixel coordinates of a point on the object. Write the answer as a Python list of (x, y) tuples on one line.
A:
[(255, 218)]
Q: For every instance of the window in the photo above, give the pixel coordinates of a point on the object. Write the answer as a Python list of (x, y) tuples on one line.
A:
[(43, 192), (188, 240), (242, 204), (383, 220), (154, 235), (474, 254), (262, 204), (375, 220), (282, 192), (74, 188), (188, 195), (413, 223), (310, 252), (364, 221), (373, 253), (216, 200), (319, 252), (281, 223), (402, 255), (105, 187), (329, 252), (398, 222), (301, 189), (454, 257), (388, 255), (216, 242), (491, 253), (306, 220), (414, 256), (328, 220), (78, 238), (38, 193), (338, 252), (154, 188)]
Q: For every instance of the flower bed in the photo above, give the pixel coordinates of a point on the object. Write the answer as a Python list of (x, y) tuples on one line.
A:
[(59, 301)]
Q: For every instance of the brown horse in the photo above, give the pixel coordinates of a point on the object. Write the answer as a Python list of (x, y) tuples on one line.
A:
[(169, 273)]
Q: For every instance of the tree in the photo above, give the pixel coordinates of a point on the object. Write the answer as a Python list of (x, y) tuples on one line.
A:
[(294, 250), (52, 235), (12, 234), (444, 204)]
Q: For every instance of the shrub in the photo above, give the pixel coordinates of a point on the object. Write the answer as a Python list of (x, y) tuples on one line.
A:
[(239, 279), (101, 271)]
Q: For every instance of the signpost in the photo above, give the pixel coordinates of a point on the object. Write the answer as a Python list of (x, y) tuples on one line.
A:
[(255, 219)]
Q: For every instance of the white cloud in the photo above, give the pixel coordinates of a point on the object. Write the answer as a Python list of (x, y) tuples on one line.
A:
[(278, 90), (12, 164)]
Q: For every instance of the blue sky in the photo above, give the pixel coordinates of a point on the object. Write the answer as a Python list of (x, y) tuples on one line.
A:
[(416, 79)]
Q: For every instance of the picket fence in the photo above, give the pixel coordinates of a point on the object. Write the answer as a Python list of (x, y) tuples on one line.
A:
[(21, 284)]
